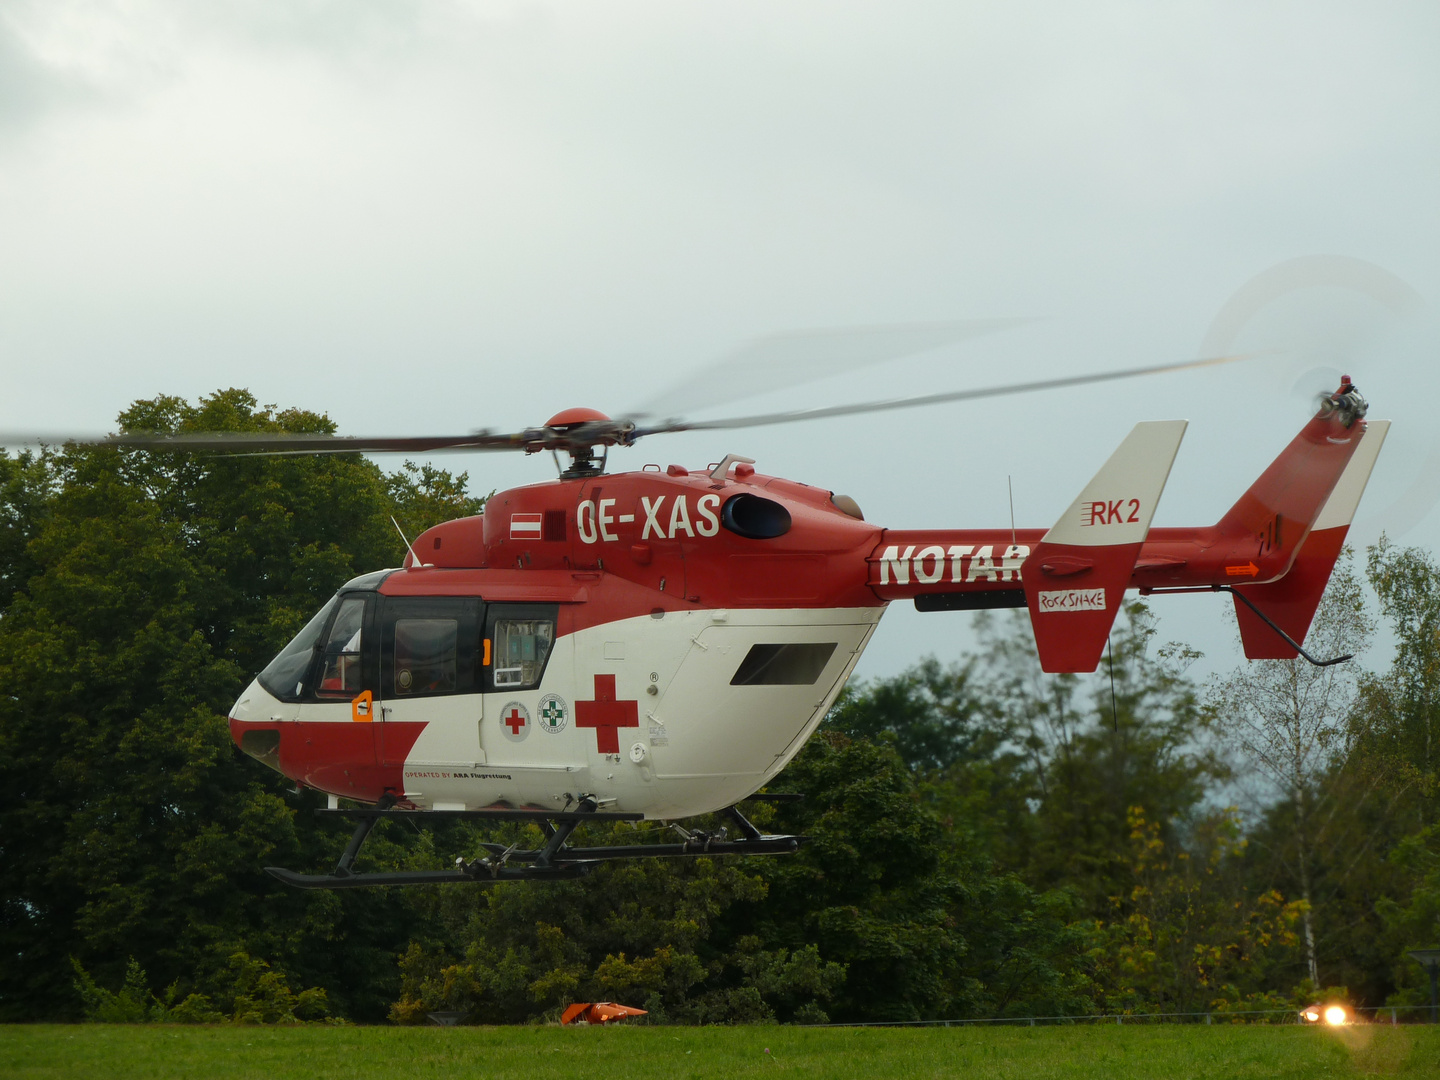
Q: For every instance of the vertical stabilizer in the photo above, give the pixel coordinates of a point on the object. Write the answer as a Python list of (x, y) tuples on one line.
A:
[(1291, 601), (1076, 579), (1260, 536)]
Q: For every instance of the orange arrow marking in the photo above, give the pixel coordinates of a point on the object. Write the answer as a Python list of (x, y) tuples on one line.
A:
[(362, 709), (1248, 569)]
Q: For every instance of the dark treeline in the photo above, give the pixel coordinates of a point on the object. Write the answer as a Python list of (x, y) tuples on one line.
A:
[(986, 840)]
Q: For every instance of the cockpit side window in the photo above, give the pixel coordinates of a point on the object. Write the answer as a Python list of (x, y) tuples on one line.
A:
[(286, 675), (342, 671)]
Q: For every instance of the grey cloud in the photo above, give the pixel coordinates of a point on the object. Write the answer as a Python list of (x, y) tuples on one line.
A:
[(28, 87)]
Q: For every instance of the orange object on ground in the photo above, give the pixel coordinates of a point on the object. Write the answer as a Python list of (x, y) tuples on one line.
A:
[(597, 1012)]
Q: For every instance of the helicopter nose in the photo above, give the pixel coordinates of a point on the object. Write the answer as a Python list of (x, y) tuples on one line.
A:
[(261, 743), (254, 727)]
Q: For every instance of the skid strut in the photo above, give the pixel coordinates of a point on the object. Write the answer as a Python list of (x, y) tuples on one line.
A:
[(554, 860), (1258, 614)]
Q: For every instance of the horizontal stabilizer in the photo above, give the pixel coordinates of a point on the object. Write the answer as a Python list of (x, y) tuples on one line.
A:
[(1291, 601), (1076, 579)]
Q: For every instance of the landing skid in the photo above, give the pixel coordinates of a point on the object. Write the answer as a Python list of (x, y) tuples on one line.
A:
[(553, 861)]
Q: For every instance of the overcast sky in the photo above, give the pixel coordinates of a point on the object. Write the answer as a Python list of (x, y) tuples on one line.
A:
[(437, 216)]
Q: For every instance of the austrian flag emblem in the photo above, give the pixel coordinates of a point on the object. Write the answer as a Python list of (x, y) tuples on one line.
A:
[(526, 526)]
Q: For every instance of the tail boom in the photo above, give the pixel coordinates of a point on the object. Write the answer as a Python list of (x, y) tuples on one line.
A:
[(1277, 545)]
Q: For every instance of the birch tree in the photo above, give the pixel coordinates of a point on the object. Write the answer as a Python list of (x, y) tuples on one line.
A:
[(1287, 720)]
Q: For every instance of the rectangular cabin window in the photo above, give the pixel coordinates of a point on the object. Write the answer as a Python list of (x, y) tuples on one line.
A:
[(521, 648), (430, 645), (342, 672), (425, 656), (522, 637), (792, 664)]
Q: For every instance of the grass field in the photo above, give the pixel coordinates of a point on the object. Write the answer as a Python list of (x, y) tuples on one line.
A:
[(93, 1052)]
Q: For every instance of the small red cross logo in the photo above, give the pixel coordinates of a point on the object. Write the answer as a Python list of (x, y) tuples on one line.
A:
[(514, 721), (606, 715)]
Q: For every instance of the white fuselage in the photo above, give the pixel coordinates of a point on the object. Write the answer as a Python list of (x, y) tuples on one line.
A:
[(698, 741)]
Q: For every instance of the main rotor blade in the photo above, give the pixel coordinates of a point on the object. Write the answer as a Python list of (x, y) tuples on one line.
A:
[(575, 438), (927, 399), (277, 443), (778, 361)]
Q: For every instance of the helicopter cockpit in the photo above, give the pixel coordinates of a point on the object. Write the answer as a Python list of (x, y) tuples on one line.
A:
[(411, 646)]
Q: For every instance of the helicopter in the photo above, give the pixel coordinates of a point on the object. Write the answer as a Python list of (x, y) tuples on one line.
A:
[(657, 645)]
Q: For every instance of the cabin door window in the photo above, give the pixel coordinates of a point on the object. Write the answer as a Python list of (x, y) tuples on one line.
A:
[(521, 638)]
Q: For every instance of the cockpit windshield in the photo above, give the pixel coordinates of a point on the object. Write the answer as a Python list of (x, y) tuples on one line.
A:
[(285, 675)]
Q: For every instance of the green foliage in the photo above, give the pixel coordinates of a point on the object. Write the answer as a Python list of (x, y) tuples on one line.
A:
[(1413, 921), (134, 1003), (1399, 713), (874, 917), (259, 995), (924, 926), (1187, 934), (252, 993), (868, 890), (1095, 793), (644, 933), (131, 1004), (141, 591), (1289, 724), (27, 483), (931, 714)]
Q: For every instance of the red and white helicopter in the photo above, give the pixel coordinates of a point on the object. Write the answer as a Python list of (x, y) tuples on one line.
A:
[(658, 645)]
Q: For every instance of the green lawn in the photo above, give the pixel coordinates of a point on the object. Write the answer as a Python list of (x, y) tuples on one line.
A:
[(93, 1052)]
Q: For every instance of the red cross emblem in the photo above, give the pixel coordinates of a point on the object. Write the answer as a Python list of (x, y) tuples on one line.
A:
[(606, 715), (514, 720)]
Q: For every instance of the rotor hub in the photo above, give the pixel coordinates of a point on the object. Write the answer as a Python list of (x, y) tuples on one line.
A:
[(578, 431), (567, 418), (1347, 402)]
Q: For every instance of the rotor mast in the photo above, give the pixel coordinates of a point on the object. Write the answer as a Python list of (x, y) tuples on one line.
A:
[(579, 431)]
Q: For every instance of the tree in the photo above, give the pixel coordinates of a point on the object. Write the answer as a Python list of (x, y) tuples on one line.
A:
[(652, 933), (877, 915), (1187, 934), (27, 484), (931, 714), (1399, 729), (1395, 774), (1288, 719), (1413, 920), (143, 589), (925, 924), (1134, 743)]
